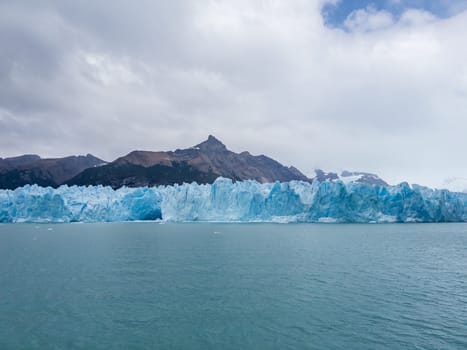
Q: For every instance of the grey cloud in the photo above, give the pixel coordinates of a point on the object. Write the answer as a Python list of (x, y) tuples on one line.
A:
[(265, 76)]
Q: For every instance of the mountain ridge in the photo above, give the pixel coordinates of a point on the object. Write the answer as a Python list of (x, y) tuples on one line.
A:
[(32, 169), (202, 163)]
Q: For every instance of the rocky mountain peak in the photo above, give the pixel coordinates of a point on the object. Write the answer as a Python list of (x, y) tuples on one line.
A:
[(211, 144)]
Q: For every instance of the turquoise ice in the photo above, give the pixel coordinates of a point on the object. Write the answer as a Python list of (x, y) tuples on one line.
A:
[(227, 201)]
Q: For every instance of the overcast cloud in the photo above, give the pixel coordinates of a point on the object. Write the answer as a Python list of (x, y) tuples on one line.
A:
[(379, 93)]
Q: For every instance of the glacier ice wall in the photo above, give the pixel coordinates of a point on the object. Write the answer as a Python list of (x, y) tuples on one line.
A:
[(241, 201), (304, 202), (79, 204)]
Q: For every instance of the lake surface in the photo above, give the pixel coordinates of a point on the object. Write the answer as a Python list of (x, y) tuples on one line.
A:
[(233, 286)]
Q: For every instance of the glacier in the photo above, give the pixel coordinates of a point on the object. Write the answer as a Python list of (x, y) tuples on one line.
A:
[(227, 201)]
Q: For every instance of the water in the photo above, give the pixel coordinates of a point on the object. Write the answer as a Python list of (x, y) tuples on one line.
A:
[(233, 286)]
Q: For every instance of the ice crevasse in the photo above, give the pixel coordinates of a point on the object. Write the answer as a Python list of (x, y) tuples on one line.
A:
[(227, 201)]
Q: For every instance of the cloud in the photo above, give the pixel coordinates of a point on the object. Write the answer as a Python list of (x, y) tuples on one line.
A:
[(387, 95), (368, 19)]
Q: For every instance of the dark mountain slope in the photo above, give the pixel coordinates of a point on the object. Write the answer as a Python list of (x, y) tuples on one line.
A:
[(31, 169), (202, 163)]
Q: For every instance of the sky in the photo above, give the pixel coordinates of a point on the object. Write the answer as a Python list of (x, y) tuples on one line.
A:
[(377, 86)]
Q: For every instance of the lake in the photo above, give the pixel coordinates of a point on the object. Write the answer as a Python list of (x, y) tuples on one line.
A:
[(233, 286)]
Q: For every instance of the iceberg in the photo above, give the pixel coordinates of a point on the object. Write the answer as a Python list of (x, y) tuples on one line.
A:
[(227, 201)]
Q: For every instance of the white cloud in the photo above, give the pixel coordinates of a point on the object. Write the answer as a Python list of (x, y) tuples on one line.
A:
[(368, 19), (416, 17)]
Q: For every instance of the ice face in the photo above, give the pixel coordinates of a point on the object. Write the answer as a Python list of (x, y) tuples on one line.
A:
[(247, 201), (79, 204)]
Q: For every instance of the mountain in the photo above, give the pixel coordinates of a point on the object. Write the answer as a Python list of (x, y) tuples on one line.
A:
[(32, 169), (203, 163), (350, 176), (321, 176), (13, 162), (361, 177)]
